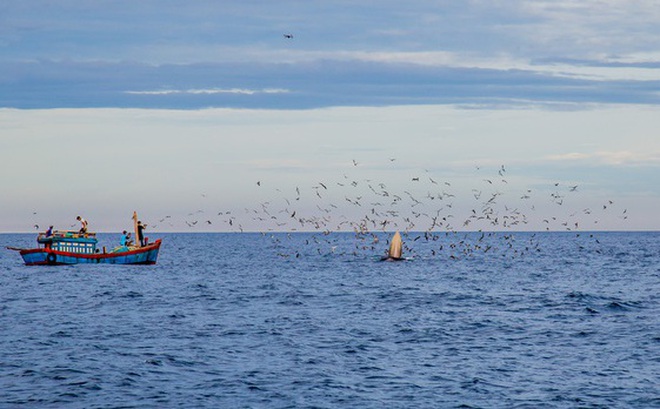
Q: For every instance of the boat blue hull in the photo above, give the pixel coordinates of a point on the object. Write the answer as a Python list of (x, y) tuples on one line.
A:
[(144, 255)]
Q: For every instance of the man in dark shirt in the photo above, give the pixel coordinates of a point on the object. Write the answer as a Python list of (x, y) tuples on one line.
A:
[(140, 228)]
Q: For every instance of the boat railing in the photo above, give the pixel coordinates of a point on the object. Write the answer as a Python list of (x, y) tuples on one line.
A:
[(66, 234)]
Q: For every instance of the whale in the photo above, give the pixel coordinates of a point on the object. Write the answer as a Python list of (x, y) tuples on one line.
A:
[(394, 252)]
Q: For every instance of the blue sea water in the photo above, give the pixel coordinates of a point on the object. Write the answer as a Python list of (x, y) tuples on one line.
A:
[(517, 320)]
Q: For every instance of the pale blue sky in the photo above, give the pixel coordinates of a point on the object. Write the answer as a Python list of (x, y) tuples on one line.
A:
[(179, 108)]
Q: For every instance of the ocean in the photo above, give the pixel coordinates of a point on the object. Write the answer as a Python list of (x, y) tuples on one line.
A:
[(504, 320)]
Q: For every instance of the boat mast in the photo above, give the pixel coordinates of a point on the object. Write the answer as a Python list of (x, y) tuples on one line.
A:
[(135, 227)]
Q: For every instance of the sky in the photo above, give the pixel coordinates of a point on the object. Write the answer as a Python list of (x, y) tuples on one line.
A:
[(204, 116)]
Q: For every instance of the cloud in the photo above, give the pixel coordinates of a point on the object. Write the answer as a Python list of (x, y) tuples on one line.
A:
[(152, 55), (617, 158), (370, 79), (633, 68), (154, 32), (283, 164), (226, 151), (212, 91)]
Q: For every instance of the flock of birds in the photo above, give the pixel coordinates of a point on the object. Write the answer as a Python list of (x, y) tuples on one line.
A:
[(435, 217)]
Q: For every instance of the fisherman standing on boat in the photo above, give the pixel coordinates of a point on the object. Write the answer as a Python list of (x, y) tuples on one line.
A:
[(140, 228), (49, 232), (83, 225)]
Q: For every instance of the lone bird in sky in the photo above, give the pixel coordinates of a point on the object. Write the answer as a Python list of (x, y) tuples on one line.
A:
[(288, 36)]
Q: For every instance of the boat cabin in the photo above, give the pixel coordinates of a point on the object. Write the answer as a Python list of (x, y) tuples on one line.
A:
[(69, 241)]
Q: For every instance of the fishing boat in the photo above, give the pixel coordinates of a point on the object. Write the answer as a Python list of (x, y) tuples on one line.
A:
[(71, 247)]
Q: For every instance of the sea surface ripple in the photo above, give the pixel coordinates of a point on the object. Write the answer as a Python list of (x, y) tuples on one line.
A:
[(227, 321)]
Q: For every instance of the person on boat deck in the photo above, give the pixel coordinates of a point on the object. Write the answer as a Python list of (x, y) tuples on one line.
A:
[(49, 232), (125, 239), (83, 225), (140, 228)]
